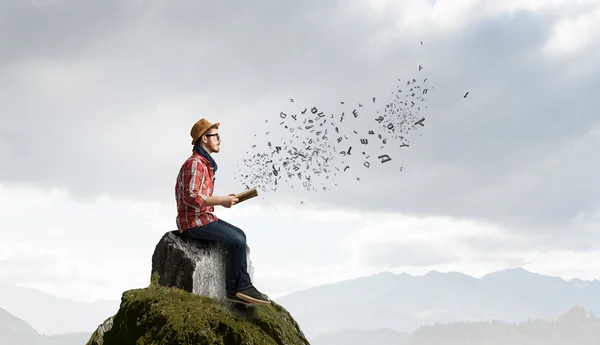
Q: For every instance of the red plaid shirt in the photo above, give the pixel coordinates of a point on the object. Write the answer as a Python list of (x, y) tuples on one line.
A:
[(194, 186)]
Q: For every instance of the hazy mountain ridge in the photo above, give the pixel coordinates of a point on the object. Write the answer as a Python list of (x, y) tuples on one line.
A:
[(14, 331), (10, 324), (401, 303), (51, 315), (512, 295), (383, 336), (574, 327)]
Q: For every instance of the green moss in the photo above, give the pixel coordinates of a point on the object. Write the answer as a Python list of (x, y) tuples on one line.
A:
[(158, 315), (154, 280)]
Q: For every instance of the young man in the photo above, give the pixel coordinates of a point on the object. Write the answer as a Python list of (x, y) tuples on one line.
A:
[(195, 204)]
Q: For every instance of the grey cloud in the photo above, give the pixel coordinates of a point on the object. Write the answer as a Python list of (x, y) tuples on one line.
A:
[(57, 29), (100, 102), (510, 152), (394, 254), (481, 248), (544, 241), (87, 107), (511, 251)]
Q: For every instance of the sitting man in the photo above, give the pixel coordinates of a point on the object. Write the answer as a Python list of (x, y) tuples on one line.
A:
[(195, 204)]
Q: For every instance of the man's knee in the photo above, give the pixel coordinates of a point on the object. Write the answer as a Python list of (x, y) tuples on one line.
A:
[(241, 232), (231, 226), (242, 241), (238, 241)]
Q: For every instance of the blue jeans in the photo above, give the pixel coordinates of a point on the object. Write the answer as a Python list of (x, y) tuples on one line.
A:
[(237, 277)]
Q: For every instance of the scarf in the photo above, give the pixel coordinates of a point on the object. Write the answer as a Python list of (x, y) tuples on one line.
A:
[(202, 152)]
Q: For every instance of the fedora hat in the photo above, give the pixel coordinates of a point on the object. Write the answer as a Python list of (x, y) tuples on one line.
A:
[(200, 127)]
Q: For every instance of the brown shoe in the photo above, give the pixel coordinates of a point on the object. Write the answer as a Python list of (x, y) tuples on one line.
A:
[(253, 296)]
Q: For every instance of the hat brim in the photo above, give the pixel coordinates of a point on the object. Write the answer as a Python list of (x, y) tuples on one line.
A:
[(216, 124)]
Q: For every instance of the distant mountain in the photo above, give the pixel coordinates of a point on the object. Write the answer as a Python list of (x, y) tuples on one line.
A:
[(403, 302), (14, 331), (359, 337), (574, 327), (52, 315), (10, 324)]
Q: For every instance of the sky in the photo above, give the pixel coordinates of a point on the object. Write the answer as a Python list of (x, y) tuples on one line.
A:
[(97, 101)]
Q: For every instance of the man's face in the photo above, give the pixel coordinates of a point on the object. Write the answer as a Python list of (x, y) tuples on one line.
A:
[(212, 140)]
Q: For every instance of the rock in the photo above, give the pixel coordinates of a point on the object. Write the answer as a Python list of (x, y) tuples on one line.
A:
[(161, 315), (185, 305), (97, 337), (192, 266)]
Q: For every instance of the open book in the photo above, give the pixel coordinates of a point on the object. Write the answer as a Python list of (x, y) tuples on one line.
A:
[(247, 194)]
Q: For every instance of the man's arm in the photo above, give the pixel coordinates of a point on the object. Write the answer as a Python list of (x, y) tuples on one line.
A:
[(195, 193), (214, 200)]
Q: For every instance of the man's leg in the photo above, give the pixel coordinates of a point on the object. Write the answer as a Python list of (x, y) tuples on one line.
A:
[(249, 293), (236, 249), (244, 281)]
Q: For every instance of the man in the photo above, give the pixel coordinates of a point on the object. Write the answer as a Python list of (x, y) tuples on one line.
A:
[(195, 204)]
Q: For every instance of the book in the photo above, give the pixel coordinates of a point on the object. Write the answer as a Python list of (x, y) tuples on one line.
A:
[(247, 194)]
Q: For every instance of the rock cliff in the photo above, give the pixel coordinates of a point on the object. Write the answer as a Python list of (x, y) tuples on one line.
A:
[(197, 267), (184, 305)]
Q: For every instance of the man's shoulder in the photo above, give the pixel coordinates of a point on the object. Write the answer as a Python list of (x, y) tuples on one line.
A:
[(194, 158)]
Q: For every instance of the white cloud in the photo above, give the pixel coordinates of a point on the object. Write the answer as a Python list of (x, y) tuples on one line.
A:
[(411, 241), (539, 5), (566, 264), (98, 248), (427, 230), (454, 15), (292, 247), (311, 275), (419, 244), (572, 35), (83, 250), (61, 272), (480, 157), (24, 250)]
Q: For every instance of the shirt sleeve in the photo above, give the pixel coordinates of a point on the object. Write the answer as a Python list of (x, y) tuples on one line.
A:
[(195, 191)]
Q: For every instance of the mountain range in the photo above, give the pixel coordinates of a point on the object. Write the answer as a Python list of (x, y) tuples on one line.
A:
[(384, 307), (381, 336), (15, 331), (403, 303), (51, 315)]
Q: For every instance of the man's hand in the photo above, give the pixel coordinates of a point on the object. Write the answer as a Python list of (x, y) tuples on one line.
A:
[(229, 201)]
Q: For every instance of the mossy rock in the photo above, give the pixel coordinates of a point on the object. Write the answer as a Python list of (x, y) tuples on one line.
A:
[(159, 315)]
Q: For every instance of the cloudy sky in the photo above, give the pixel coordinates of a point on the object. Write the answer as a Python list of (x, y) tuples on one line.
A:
[(97, 100)]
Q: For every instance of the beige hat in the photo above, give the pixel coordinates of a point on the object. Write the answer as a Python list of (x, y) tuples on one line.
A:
[(200, 127)]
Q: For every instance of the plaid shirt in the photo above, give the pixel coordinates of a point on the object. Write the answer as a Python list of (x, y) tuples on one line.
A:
[(194, 185)]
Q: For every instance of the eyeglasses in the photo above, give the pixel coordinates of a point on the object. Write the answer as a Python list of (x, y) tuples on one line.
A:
[(212, 135)]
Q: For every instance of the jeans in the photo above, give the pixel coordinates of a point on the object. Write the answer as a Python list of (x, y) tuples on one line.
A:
[(237, 277)]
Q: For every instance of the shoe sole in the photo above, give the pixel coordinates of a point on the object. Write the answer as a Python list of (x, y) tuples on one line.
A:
[(238, 301), (252, 300)]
